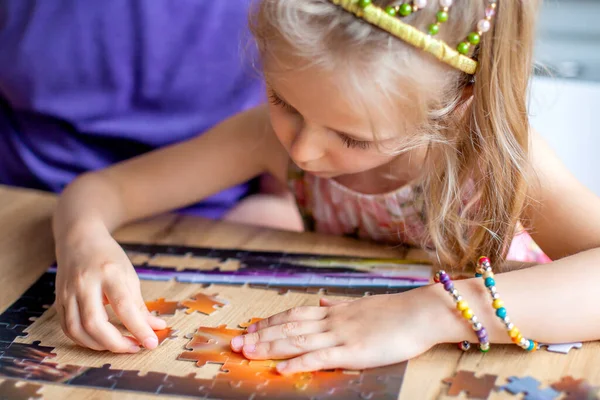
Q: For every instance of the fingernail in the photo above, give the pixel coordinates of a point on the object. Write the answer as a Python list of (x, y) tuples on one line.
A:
[(161, 323), (280, 366), (134, 348), (252, 328), (237, 342), (150, 342), (249, 348)]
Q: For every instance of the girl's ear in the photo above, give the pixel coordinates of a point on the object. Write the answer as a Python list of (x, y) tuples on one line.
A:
[(468, 92)]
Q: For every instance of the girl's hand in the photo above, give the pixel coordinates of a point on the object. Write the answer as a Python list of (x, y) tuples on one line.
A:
[(94, 271), (369, 332)]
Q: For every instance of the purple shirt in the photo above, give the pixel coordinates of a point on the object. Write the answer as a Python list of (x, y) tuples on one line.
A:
[(84, 84)]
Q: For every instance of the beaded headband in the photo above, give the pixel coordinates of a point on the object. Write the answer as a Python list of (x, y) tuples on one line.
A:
[(388, 19)]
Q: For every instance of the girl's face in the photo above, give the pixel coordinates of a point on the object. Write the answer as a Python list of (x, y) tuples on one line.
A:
[(325, 130)]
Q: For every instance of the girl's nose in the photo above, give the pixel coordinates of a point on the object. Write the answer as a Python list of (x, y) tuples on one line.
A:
[(308, 145)]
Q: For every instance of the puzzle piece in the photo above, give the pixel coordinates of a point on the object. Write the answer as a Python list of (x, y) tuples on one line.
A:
[(576, 389), (383, 382), (51, 372), (562, 348), (104, 377), (32, 352), (474, 387), (161, 334), (530, 387), (13, 368), (8, 333), (203, 304), (15, 390), (245, 325), (207, 337), (187, 385), (212, 345), (24, 316), (151, 382), (162, 307)]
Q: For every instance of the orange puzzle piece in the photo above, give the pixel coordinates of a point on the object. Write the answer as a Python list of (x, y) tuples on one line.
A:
[(162, 335), (245, 325), (162, 307), (202, 303), (211, 345)]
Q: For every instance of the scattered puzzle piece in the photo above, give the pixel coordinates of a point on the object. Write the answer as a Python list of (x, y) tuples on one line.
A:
[(576, 389), (16, 390), (162, 335), (475, 388), (202, 303), (530, 387), (562, 348), (245, 325), (162, 307)]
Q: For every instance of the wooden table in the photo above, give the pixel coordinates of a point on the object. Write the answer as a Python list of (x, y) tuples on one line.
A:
[(26, 250)]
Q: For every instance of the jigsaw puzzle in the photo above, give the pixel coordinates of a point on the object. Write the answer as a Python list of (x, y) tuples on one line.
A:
[(474, 387), (237, 376), (351, 276), (243, 378)]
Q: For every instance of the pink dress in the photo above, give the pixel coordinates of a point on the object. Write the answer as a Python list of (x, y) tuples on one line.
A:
[(396, 217)]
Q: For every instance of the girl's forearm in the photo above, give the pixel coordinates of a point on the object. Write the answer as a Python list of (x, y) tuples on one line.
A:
[(90, 200), (552, 303)]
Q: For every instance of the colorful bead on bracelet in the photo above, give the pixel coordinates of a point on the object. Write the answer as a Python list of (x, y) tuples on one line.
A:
[(462, 306), (484, 270)]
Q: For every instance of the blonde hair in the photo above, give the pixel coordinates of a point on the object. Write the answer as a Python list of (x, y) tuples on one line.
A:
[(486, 143)]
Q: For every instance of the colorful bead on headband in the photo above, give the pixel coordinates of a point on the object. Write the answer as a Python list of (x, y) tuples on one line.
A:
[(483, 26), (466, 312), (389, 21), (484, 270)]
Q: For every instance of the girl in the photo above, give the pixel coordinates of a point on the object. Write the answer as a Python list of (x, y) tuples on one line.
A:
[(383, 141)]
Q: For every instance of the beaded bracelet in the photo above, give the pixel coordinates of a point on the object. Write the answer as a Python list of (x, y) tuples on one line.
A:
[(484, 270), (462, 306)]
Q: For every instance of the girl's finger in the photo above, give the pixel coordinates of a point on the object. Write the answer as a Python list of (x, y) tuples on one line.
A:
[(327, 358), (75, 329), (290, 347), (61, 311), (293, 314), (289, 329), (324, 302), (132, 312), (155, 322), (97, 325)]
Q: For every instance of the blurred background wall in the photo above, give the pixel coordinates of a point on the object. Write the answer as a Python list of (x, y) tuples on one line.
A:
[(565, 108)]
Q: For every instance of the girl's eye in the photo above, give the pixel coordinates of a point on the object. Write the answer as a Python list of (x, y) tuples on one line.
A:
[(277, 101), (353, 143)]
